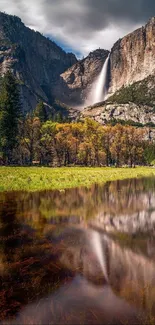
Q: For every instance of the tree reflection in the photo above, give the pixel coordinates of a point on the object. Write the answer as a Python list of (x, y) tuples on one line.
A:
[(37, 258)]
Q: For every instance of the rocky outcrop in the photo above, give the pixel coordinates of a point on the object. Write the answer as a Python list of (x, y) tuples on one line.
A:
[(36, 61), (77, 81), (107, 111), (133, 57)]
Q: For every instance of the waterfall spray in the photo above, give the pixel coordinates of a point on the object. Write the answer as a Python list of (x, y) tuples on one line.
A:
[(99, 90)]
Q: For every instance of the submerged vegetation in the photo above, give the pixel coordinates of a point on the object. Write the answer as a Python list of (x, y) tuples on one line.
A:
[(36, 178)]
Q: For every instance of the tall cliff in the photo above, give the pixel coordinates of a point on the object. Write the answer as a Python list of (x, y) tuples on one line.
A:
[(132, 60), (75, 84), (36, 61), (133, 57), (131, 94)]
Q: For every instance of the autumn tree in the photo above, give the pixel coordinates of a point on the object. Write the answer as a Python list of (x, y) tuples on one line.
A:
[(106, 140), (116, 146), (78, 133), (65, 143), (91, 147), (30, 146)]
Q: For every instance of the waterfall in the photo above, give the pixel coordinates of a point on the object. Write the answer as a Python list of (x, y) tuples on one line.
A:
[(99, 89)]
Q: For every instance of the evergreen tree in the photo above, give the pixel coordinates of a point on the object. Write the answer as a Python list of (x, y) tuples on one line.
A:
[(9, 115), (40, 112), (59, 117)]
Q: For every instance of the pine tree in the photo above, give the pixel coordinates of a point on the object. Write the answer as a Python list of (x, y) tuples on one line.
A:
[(10, 110), (40, 112), (59, 117)]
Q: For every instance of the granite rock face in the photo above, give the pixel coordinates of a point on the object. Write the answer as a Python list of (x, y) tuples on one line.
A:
[(77, 81), (133, 57), (36, 61), (107, 111)]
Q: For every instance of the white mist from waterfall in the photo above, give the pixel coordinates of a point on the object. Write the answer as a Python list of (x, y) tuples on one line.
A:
[(99, 90), (97, 248)]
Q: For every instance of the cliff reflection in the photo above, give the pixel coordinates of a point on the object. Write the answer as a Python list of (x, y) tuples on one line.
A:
[(113, 198), (45, 251)]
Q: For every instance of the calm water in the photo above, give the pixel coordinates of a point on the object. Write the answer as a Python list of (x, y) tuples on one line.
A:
[(79, 256)]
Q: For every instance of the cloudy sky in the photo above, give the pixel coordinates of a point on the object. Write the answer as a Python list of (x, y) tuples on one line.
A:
[(82, 25)]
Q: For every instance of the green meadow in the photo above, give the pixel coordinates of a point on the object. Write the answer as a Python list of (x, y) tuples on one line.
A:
[(42, 178)]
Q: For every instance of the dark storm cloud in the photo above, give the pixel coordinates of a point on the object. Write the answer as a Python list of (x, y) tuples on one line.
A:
[(102, 12), (82, 24), (94, 15)]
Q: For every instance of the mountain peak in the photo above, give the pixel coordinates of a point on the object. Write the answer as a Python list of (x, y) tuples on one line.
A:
[(36, 61), (98, 53)]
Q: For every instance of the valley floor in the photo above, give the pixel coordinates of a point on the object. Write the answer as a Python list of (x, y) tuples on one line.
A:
[(42, 178)]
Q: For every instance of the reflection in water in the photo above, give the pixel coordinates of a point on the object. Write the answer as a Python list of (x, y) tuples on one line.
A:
[(78, 256), (80, 302), (98, 249)]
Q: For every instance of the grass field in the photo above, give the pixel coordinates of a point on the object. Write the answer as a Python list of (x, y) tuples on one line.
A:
[(42, 178)]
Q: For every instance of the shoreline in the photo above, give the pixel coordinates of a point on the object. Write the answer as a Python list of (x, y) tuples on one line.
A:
[(33, 179)]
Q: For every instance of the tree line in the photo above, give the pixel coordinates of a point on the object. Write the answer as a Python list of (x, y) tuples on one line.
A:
[(36, 139)]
